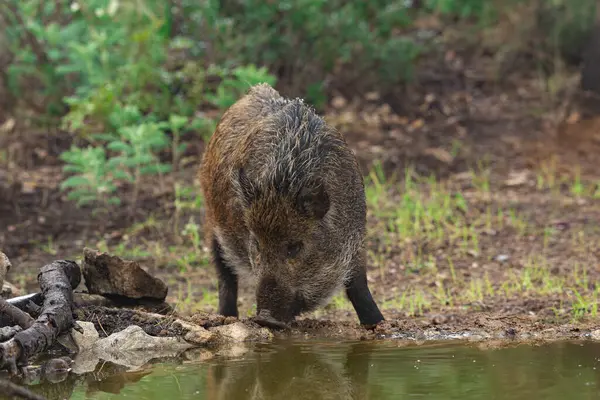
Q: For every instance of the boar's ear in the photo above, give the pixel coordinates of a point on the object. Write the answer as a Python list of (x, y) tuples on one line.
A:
[(313, 201), (246, 188)]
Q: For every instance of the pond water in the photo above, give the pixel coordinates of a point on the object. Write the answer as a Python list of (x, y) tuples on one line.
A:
[(366, 370)]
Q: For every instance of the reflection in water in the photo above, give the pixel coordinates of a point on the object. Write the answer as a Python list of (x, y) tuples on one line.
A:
[(114, 383), (299, 372), (378, 370), (386, 371)]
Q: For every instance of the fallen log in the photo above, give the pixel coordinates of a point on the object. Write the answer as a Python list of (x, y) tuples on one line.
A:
[(55, 318)]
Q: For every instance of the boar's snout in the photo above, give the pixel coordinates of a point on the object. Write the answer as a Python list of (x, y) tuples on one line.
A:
[(266, 319), (277, 304)]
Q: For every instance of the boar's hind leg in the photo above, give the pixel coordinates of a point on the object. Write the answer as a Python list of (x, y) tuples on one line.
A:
[(360, 296), (228, 284)]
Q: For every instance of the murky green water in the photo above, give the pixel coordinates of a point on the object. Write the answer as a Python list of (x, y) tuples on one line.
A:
[(367, 370)]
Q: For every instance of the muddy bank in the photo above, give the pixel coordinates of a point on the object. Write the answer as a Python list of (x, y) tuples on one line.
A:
[(133, 339), (474, 327)]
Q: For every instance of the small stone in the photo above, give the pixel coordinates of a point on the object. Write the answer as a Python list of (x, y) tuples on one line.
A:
[(338, 102), (511, 332), (372, 96), (502, 257), (595, 335), (239, 332), (199, 336), (439, 319)]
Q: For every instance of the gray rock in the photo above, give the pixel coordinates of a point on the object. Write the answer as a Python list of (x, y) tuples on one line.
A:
[(502, 257), (133, 338), (133, 348), (86, 340)]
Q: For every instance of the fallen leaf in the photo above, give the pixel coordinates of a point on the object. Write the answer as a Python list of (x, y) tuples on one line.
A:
[(7, 126), (416, 124), (372, 96), (439, 153), (517, 178), (573, 118), (338, 102), (28, 186)]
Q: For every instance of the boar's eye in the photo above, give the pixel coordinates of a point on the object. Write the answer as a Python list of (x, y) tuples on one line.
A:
[(293, 249)]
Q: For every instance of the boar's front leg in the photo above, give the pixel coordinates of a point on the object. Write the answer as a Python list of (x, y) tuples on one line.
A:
[(360, 296), (228, 283)]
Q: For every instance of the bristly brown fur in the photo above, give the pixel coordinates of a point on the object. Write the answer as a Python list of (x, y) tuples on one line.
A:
[(284, 201)]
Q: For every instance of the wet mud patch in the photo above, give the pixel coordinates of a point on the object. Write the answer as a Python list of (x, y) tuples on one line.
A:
[(476, 327)]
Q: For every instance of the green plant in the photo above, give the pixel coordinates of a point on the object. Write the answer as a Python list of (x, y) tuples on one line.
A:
[(94, 180), (176, 124), (192, 231), (107, 69), (133, 154)]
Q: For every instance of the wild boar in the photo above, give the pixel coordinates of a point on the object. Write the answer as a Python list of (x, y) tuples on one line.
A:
[(285, 202)]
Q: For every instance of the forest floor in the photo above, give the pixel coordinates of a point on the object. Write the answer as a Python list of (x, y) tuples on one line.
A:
[(484, 202)]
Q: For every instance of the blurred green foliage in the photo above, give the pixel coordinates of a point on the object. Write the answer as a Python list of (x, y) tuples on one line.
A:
[(110, 71), (130, 78), (308, 41)]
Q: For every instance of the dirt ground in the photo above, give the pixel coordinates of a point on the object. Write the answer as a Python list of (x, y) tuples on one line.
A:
[(520, 158)]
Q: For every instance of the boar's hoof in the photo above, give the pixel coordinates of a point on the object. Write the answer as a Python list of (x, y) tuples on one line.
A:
[(264, 318)]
